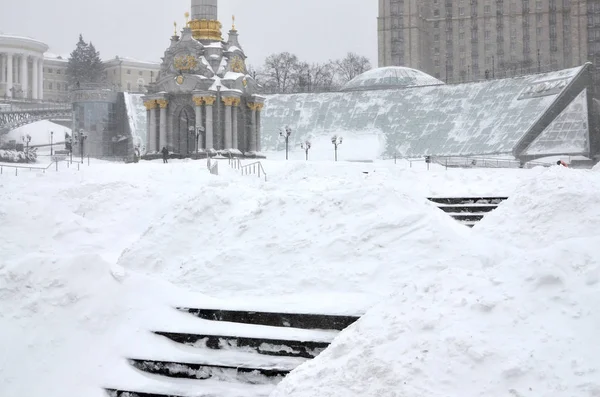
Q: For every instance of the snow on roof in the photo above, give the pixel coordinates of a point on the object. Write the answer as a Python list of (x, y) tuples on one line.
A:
[(126, 60), (235, 48), (39, 45), (216, 44), (233, 76), (391, 77), (48, 56)]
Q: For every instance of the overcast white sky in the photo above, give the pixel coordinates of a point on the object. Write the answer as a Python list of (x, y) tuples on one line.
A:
[(315, 30)]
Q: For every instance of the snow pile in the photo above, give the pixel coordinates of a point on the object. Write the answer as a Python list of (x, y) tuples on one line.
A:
[(329, 233), (557, 204), (597, 167), (523, 326)]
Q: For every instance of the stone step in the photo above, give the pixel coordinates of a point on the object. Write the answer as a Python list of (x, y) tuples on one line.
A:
[(467, 217), (239, 374), (123, 393), (467, 200), (127, 393), (471, 209), (263, 346), (288, 320)]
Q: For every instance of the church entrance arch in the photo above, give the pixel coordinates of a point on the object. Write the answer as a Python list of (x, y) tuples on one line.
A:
[(185, 124)]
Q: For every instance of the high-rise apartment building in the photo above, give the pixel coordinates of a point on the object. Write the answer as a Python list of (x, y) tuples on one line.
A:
[(466, 40)]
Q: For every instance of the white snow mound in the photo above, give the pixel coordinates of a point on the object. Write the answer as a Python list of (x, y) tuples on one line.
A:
[(524, 326), (344, 234), (556, 204)]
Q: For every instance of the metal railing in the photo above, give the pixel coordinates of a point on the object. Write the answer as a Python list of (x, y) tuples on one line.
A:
[(55, 161), (255, 168)]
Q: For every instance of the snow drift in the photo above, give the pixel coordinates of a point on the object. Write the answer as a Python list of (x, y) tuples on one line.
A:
[(524, 326), (342, 234)]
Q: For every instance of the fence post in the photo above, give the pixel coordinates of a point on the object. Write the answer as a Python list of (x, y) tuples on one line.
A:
[(16, 172), (446, 164), (56, 166), (1, 170), (78, 166)]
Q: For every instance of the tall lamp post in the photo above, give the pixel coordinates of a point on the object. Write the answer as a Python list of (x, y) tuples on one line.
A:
[(337, 141), (69, 145), (26, 140), (82, 138), (286, 133), (51, 143), (306, 146)]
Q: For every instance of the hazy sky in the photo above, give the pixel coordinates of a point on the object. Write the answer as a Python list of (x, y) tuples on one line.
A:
[(315, 30)]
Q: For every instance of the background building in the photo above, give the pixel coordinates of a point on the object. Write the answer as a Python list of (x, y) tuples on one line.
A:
[(56, 86), (130, 75), (465, 40), (21, 66)]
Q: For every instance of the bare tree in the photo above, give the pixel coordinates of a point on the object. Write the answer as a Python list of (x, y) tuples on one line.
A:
[(280, 71), (318, 77), (351, 66)]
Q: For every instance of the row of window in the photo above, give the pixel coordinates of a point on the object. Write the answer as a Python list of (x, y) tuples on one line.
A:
[(51, 71)]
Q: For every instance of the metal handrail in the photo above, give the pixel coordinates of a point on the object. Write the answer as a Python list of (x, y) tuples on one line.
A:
[(254, 168)]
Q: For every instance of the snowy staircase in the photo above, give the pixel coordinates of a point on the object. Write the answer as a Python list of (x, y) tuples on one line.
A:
[(235, 353), (468, 210)]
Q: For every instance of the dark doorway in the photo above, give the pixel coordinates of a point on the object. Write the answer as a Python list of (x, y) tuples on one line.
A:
[(185, 138)]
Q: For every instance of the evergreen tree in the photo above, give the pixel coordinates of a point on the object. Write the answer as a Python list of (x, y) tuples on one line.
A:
[(85, 65)]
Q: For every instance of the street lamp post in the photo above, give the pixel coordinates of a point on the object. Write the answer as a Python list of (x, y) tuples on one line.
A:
[(82, 138), (26, 140), (337, 141), (306, 146), (51, 143), (286, 133)]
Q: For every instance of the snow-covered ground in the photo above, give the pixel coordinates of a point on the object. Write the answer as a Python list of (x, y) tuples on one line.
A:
[(93, 260)]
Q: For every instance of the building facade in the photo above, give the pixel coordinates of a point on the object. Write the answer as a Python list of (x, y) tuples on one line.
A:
[(130, 75), (21, 68), (204, 100), (56, 85), (469, 40)]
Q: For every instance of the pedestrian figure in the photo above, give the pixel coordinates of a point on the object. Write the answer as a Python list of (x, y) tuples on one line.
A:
[(560, 162), (165, 153)]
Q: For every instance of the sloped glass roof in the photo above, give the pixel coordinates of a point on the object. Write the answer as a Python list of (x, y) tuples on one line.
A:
[(489, 117), (390, 77), (567, 134)]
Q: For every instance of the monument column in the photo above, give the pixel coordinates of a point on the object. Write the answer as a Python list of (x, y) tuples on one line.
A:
[(252, 138), (24, 76), (162, 103), (9, 75), (209, 101), (228, 101), (151, 135), (198, 101), (40, 78), (34, 75), (236, 103)]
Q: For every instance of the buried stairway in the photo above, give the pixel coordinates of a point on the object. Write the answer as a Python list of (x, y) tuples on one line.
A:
[(468, 210), (236, 353)]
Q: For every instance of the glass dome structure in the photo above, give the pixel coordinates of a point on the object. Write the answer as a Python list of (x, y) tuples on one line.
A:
[(390, 78)]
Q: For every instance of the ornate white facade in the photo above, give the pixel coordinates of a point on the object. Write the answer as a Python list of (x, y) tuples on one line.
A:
[(21, 68)]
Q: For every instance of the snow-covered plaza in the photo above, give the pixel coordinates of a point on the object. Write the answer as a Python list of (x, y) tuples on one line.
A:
[(94, 260)]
